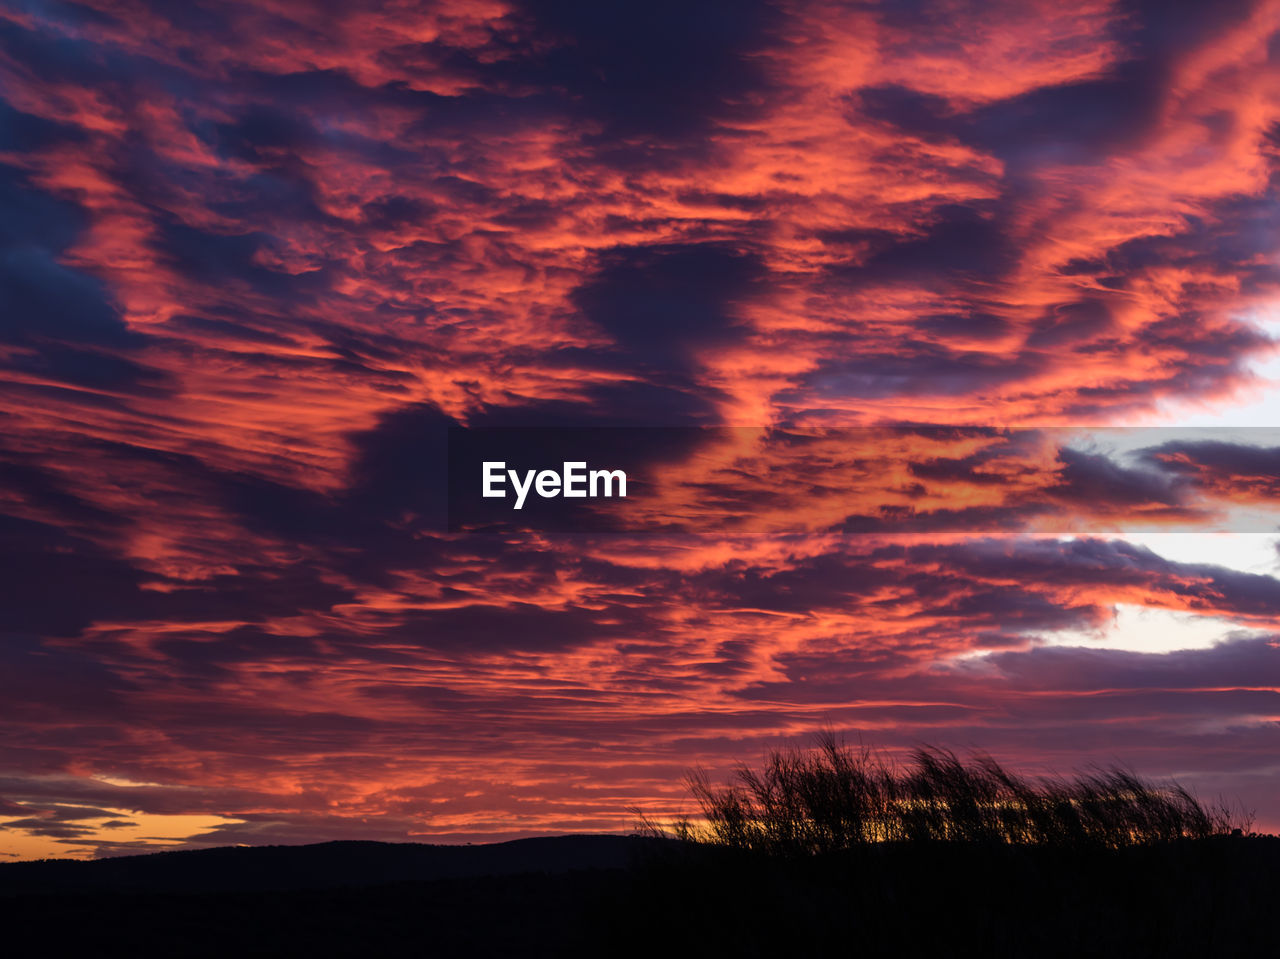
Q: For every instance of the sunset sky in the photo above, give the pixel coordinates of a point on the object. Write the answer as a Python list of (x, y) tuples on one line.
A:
[(257, 257)]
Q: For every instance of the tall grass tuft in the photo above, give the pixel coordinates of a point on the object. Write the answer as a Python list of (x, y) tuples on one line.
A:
[(834, 799)]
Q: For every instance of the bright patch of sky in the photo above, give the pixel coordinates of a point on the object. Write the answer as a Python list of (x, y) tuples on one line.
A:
[(1256, 420), (1146, 629), (1261, 407), (127, 830)]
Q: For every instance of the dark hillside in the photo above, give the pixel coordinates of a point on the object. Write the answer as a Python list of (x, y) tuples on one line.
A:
[(614, 896), (323, 865)]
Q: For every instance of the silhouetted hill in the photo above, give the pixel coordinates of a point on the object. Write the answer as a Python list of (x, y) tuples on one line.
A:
[(613, 896), (323, 865)]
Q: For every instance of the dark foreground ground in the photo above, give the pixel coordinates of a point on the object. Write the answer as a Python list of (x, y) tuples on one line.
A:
[(614, 896)]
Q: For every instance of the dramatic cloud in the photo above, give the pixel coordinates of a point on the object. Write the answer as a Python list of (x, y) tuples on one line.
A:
[(258, 258)]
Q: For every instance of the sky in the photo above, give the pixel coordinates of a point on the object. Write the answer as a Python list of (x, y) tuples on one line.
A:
[(257, 258)]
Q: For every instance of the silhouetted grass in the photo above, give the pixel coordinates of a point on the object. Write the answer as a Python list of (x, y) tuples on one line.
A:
[(834, 799)]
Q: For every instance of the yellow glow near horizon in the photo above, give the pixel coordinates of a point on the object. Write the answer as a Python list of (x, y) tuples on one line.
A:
[(152, 832)]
